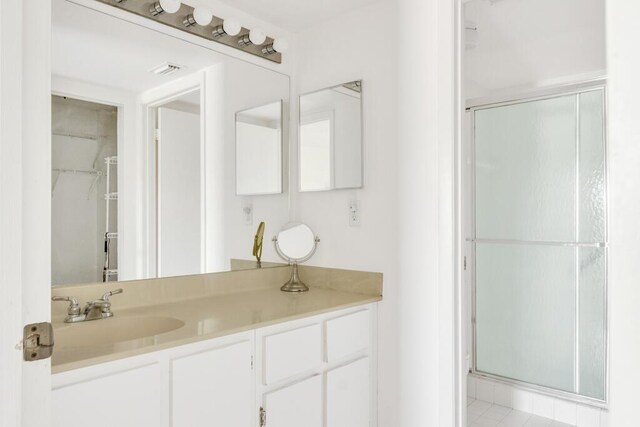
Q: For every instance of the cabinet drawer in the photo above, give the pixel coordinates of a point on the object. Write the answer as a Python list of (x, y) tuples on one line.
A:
[(347, 335), (292, 352)]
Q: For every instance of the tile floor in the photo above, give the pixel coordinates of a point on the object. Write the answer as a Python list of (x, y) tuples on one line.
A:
[(485, 414)]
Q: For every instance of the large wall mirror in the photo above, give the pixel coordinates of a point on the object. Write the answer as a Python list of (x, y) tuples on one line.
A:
[(147, 180), (330, 138)]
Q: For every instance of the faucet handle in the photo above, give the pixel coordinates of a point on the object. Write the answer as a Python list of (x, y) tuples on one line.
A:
[(74, 308), (106, 295)]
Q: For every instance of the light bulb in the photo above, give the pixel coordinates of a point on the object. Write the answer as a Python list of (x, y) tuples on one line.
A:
[(202, 16), (257, 36), (281, 45), (170, 6), (231, 26)]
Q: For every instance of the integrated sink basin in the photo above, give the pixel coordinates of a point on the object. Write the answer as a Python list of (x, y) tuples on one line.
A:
[(113, 330)]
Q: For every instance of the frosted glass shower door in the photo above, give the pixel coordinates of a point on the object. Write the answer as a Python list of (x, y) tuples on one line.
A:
[(540, 244)]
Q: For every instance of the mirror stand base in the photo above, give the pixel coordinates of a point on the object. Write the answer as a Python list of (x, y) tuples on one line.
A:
[(294, 284)]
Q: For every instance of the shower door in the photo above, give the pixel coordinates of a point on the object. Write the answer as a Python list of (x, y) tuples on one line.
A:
[(540, 242)]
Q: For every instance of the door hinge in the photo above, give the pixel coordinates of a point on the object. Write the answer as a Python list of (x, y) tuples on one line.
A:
[(465, 263), (37, 341), (263, 417), (156, 135), (252, 362)]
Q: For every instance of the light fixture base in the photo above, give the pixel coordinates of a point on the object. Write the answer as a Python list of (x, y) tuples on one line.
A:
[(218, 31), (156, 9), (245, 41), (189, 20), (268, 49)]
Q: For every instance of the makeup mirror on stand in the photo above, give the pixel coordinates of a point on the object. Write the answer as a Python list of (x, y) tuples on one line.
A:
[(295, 243)]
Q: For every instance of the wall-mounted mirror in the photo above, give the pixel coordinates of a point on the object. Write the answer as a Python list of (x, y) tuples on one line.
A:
[(259, 150), (144, 152), (330, 148)]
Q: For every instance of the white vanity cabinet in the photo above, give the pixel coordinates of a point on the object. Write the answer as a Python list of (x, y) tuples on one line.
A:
[(317, 371)]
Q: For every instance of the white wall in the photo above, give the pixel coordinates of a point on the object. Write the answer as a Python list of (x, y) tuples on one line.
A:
[(532, 43), (359, 45), (428, 226), (623, 34)]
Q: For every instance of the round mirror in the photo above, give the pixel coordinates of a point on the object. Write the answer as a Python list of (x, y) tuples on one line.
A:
[(295, 243)]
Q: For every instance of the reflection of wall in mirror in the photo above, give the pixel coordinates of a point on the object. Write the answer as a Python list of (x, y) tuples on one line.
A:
[(179, 193), (259, 150), (346, 157), (258, 153), (232, 86), (316, 151)]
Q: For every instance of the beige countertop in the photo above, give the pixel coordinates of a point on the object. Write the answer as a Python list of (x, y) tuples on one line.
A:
[(79, 345)]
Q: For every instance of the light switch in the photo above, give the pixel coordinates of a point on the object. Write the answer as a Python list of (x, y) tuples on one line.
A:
[(247, 210)]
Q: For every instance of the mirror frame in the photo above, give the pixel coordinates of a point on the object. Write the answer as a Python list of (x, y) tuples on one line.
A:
[(282, 151), (362, 146)]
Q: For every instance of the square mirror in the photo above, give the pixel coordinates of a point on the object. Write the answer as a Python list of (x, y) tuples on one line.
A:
[(330, 150), (259, 150)]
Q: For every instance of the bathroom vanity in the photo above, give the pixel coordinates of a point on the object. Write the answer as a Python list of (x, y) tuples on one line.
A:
[(243, 355), (199, 152)]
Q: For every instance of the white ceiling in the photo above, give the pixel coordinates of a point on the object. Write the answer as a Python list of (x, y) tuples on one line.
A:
[(92, 47), (296, 15), (533, 42)]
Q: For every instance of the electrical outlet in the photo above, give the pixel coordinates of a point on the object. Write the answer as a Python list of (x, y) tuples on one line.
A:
[(354, 213), (247, 210)]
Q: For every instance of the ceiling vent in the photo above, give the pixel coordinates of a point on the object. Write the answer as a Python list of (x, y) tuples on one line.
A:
[(166, 69)]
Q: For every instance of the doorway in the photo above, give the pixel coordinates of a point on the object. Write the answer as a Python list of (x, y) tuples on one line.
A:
[(84, 191)]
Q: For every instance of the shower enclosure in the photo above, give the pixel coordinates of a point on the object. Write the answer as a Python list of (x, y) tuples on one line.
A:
[(537, 238)]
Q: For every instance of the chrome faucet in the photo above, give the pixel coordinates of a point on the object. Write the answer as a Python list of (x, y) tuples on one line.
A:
[(93, 310)]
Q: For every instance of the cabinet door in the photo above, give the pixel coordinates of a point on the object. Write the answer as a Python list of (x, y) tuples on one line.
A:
[(348, 395), (214, 388), (128, 399), (298, 405)]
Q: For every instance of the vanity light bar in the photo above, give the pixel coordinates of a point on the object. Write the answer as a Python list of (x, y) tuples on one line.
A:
[(185, 19)]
